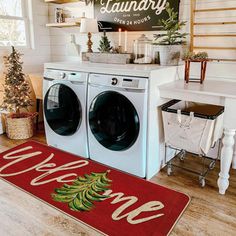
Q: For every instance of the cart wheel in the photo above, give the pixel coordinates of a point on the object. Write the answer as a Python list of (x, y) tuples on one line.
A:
[(169, 169), (212, 165), (182, 155), (202, 181)]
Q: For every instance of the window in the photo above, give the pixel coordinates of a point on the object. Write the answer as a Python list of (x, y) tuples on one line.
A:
[(14, 23)]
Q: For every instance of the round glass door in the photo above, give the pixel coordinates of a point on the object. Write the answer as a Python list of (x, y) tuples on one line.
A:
[(114, 121), (62, 110)]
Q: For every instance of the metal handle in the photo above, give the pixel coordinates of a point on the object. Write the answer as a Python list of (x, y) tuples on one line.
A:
[(49, 79), (77, 82)]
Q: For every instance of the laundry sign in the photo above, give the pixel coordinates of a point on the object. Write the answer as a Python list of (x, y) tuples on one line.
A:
[(136, 15)]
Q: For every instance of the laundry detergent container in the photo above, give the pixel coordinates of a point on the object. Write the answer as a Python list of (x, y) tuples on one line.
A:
[(191, 126)]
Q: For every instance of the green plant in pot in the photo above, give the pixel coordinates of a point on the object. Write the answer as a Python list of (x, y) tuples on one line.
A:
[(170, 42)]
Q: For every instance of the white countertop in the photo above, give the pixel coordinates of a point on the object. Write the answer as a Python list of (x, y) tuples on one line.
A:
[(209, 87), (117, 69)]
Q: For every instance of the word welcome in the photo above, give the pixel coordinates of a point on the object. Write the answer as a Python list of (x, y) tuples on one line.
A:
[(48, 168), (43, 166)]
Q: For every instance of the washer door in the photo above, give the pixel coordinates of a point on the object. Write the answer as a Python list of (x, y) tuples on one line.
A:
[(62, 109), (114, 121)]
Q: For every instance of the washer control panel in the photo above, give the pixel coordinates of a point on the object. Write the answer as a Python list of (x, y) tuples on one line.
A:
[(65, 75), (118, 81)]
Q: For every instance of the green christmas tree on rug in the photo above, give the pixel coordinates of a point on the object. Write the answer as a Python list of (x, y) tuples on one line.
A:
[(105, 44), (16, 88), (81, 194)]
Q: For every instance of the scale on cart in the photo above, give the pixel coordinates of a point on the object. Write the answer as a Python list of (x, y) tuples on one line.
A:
[(193, 128)]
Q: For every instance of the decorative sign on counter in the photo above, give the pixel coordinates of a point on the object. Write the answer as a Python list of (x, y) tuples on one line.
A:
[(137, 15)]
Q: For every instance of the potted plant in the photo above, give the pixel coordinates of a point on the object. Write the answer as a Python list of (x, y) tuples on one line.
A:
[(19, 125), (170, 43)]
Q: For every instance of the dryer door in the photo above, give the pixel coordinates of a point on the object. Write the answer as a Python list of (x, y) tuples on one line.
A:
[(62, 109), (114, 121)]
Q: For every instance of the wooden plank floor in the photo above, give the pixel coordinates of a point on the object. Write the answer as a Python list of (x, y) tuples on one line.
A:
[(208, 213)]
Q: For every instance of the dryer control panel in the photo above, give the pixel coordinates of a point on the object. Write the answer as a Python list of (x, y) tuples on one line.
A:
[(119, 81)]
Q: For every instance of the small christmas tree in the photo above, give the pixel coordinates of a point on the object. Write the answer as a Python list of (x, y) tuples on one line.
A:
[(105, 44), (16, 88)]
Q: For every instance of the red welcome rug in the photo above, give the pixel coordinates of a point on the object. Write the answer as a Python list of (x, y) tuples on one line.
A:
[(106, 199)]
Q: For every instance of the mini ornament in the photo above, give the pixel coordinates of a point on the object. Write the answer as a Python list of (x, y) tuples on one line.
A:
[(84, 191), (105, 44)]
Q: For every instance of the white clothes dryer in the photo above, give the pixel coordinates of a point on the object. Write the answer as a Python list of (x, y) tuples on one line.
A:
[(64, 94), (117, 122)]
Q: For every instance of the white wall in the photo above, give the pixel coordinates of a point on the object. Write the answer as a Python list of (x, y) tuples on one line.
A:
[(35, 57), (225, 70)]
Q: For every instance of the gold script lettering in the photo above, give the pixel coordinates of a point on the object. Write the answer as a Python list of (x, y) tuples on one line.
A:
[(19, 158), (61, 179), (43, 166), (147, 207)]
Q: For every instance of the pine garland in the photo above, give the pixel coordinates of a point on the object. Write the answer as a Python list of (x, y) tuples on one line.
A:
[(81, 194), (16, 88), (195, 56)]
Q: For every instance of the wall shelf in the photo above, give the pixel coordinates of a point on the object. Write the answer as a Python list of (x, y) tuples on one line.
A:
[(61, 1), (63, 25)]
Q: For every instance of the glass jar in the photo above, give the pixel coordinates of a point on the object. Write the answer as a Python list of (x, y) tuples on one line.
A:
[(143, 53)]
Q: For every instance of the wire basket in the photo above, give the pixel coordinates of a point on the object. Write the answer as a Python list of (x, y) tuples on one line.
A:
[(20, 128)]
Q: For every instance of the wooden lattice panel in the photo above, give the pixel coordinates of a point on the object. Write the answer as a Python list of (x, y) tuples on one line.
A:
[(218, 42)]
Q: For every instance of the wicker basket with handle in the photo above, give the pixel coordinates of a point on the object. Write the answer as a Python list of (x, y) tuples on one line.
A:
[(20, 127)]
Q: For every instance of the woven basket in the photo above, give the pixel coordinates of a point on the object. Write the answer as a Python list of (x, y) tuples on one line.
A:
[(20, 128)]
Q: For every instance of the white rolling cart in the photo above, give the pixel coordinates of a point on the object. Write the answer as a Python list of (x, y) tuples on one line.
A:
[(194, 128)]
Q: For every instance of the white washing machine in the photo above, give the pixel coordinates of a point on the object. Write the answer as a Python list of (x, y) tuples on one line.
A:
[(64, 94), (117, 122)]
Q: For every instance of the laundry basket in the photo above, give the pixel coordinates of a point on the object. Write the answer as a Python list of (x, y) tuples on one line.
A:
[(193, 127)]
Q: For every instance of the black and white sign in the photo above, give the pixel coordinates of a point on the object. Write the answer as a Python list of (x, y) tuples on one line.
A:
[(137, 15)]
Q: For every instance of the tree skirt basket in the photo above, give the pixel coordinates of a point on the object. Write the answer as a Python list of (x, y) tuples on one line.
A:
[(20, 127)]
